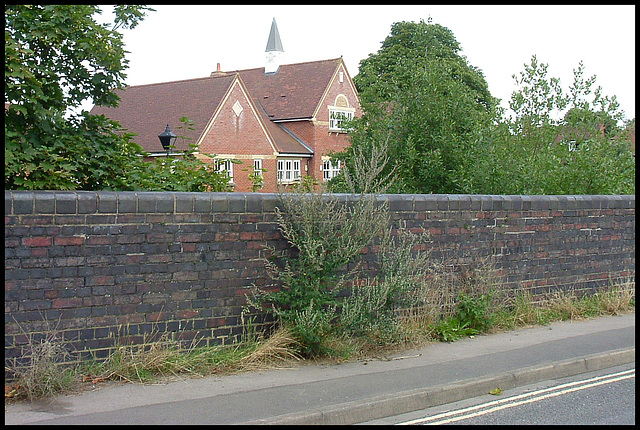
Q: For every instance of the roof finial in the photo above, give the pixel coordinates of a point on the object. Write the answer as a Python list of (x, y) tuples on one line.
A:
[(274, 49), (274, 43)]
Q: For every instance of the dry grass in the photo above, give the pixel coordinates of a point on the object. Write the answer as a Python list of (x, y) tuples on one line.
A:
[(140, 363), (43, 367), (619, 298), (158, 358), (43, 374), (278, 350)]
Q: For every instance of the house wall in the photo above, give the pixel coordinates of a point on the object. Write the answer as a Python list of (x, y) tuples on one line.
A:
[(241, 137), (325, 141), (100, 268), (316, 132)]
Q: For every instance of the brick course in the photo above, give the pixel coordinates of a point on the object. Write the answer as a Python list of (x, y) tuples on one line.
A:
[(102, 267)]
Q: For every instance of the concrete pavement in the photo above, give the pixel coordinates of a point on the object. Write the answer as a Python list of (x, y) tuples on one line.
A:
[(355, 392)]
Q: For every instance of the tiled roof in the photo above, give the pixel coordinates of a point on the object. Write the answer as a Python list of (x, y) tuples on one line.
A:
[(294, 92), (147, 109), (285, 141)]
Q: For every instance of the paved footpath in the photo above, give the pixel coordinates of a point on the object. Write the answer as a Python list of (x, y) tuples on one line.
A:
[(355, 392)]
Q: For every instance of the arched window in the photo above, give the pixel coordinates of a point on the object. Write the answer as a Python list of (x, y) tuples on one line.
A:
[(340, 112)]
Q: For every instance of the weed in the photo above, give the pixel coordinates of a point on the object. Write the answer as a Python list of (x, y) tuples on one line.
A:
[(311, 327), (474, 312), (453, 329), (43, 368)]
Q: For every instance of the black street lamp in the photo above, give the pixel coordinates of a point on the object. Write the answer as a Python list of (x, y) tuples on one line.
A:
[(167, 139)]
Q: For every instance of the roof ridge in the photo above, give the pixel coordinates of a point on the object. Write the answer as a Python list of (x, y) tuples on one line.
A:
[(283, 65), (312, 61), (225, 75), (229, 73)]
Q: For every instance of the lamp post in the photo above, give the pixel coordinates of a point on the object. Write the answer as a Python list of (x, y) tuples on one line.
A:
[(167, 139)]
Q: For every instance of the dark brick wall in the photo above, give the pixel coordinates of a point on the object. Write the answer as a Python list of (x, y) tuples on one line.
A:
[(106, 267)]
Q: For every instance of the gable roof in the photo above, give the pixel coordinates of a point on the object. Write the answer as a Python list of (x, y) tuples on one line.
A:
[(147, 109), (281, 140), (293, 93)]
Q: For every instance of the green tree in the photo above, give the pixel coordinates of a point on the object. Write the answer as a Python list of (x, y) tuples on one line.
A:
[(57, 56), (409, 47), (187, 172), (554, 142), (423, 101)]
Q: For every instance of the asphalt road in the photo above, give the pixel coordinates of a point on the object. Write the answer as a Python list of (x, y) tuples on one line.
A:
[(606, 397)]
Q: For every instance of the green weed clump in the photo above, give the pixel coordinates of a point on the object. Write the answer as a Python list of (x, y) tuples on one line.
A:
[(472, 317)]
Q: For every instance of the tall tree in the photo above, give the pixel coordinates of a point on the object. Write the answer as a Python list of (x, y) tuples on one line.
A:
[(57, 56), (408, 49), (423, 101)]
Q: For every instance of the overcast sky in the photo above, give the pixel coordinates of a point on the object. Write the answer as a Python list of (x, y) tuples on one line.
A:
[(187, 41)]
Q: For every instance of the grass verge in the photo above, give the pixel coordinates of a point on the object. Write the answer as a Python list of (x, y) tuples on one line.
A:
[(45, 374)]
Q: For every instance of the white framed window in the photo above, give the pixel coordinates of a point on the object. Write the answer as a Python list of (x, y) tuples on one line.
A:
[(257, 166), (288, 170), (336, 116), (225, 166), (330, 169)]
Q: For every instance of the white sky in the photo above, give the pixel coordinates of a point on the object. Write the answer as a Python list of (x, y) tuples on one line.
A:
[(187, 41)]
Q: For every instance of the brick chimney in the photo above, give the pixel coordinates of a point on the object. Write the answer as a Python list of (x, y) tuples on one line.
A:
[(218, 72)]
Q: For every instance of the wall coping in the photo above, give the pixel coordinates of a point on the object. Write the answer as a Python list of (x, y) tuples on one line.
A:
[(102, 202)]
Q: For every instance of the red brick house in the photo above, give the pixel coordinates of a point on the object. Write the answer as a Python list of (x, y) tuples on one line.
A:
[(283, 123)]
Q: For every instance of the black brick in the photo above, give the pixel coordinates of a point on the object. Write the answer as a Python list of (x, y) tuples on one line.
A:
[(165, 202), (184, 202), (146, 202), (8, 203), (254, 202), (219, 202), (107, 202), (202, 202), (127, 203), (153, 252), (237, 202)]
